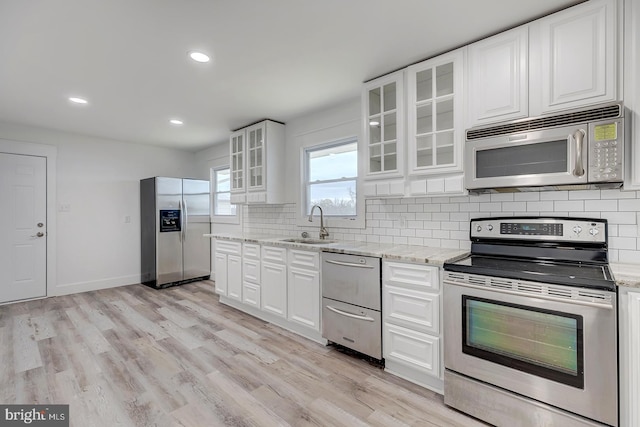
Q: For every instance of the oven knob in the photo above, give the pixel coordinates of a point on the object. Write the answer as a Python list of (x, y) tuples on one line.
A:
[(577, 229), (479, 228), (489, 227), (594, 231)]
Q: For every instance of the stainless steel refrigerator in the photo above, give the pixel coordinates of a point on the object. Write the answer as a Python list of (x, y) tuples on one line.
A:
[(175, 214)]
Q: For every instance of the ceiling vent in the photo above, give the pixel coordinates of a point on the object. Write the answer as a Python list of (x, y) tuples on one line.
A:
[(609, 111)]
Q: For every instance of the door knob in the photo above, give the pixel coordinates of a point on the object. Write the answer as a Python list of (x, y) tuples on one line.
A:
[(39, 234)]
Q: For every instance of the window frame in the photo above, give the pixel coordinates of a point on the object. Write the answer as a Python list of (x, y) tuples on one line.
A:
[(222, 219), (333, 221)]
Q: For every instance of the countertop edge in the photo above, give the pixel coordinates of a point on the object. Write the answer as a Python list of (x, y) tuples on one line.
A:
[(406, 253)]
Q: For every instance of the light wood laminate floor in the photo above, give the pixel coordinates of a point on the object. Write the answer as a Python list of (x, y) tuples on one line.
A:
[(135, 356)]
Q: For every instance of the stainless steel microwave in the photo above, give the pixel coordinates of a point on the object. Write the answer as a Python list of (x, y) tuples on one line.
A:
[(575, 149)]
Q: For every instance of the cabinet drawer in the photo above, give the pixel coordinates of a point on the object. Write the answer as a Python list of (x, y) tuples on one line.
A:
[(414, 349), (274, 254), (227, 247), (251, 294), (412, 309), (251, 250), (417, 276), (304, 259), (251, 270)]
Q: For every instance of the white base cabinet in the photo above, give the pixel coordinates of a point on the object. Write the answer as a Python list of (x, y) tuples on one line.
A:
[(411, 323), (234, 277), (251, 274), (274, 280), (304, 288), (273, 283), (228, 268), (629, 348)]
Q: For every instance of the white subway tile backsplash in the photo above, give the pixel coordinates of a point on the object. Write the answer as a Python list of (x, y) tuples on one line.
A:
[(491, 207), (526, 196), (470, 207), (628, 257), (554, 195), (539, 206), (502, 197), (441, 216), (514, 206), (617, 194), (444, 221), (601, 205), (620, 217), (629, 205), (573, 205), (584, 194), (623, 242)]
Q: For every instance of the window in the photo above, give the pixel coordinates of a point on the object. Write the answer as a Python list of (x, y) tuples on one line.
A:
[(331, 172), (223, 210)]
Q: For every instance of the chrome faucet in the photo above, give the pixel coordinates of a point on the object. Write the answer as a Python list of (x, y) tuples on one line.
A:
[(323, 231)]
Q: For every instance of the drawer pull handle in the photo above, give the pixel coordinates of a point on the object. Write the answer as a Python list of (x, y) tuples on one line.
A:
[(348, 264), (353, 316)]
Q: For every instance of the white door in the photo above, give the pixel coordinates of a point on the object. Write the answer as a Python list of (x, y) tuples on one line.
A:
[(23, 227)]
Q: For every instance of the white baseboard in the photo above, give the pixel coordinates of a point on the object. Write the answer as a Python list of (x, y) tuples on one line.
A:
[(94, 285)]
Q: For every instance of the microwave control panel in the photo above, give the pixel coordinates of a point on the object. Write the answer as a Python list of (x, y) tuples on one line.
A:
[(606, 147)]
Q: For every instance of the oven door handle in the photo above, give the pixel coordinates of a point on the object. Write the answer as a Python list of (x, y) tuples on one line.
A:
[(353, 316), (348, 264), (605, 304)]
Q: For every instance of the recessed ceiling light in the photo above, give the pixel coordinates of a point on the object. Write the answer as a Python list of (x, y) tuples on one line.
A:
[(199, 56), (77, 100), (176, 122), (373, 123)]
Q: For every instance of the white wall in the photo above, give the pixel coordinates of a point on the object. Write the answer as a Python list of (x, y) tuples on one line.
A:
[(98, 180)]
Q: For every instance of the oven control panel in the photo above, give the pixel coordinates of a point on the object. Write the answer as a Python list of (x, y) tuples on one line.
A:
[(541, 229)]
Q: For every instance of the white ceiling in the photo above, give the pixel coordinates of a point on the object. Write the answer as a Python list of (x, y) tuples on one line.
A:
[(274, 59)]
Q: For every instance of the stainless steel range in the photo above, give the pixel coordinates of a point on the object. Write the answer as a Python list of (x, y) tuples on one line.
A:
[(530, 336)]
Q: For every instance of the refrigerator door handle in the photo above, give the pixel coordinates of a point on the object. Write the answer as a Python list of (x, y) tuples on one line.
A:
[(181, 221), (185, 221)]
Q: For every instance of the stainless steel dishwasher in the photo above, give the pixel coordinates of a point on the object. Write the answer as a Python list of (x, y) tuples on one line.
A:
[(351, 302)]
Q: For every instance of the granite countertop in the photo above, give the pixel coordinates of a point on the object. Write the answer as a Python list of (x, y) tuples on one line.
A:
[(627, 275), (408, 253)]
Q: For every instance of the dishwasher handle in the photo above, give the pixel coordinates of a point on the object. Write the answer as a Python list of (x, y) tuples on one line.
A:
[(348, 264), (353, 316)]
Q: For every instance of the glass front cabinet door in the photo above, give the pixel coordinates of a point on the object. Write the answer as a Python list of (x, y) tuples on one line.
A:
[(237, 148), (383, 116), (255, 156), (434, 119)]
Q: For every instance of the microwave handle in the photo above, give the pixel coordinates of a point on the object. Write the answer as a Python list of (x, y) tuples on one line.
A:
[(579, 138)]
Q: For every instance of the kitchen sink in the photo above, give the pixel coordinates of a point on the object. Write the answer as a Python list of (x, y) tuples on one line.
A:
[(308, 241)]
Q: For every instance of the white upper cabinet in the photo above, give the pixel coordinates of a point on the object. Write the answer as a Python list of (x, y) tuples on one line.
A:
[(435, 114), (256, 161), (562, 61), (383, 121), (573, 57), (497, 72)]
